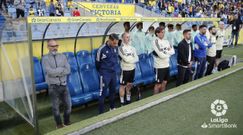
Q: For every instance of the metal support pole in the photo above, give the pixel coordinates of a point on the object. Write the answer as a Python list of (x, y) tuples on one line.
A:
[(35, 116)]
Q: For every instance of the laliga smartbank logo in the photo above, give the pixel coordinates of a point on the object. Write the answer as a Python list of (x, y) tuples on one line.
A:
[(218, 108)]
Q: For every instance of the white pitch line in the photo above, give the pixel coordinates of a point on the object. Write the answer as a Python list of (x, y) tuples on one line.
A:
[(146, 106)]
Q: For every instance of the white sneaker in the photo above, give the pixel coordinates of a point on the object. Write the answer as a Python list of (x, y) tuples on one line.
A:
[(215, 70), (112, 109)]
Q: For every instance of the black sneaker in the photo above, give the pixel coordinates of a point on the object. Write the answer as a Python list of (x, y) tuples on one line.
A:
[(123, 104), (128, 102)]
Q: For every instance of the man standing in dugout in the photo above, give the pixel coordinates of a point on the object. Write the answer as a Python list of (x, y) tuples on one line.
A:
[(56, 69), (184, 58)]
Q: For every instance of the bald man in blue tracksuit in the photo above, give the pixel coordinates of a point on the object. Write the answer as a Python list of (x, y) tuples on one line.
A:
[(106, 64), (200, 52)]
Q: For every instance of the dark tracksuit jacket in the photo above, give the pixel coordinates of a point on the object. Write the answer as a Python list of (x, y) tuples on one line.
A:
[(107, 64)]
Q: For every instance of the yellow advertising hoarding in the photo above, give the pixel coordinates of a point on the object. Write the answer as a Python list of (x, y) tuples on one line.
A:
[(109, 9), (114, 19)]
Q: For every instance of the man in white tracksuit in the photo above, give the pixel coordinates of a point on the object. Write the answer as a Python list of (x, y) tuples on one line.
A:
[(129, 58), (220, 41), (162, 52), (211, 52)]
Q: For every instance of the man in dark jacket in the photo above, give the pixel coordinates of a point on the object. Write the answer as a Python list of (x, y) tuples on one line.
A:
[(184, 58), (106, 64), (236, 26)]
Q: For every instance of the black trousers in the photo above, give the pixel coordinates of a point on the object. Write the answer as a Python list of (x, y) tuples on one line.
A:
[(183, 75), (19, 12), (235, 35), (3, 2), (211, 62), (60, 96)]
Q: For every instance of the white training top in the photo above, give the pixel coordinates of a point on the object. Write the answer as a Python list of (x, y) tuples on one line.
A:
[(164, 50), (220, 39), (212, 50), (129, 57)]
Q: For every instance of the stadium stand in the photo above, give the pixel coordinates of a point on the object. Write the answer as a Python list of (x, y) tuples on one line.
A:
[(2, 20), (166, 8), (203, 8)]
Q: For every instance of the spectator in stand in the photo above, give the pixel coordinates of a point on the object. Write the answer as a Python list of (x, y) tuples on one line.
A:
[(170, 9), (76, 12), (191, 11), (198, 8), (47, 2), (31, 11), (3, 3), (69, 4), (59, 9), (20, 7), (152, 4), (59, 12), (199, 13), (41, 8), (52, 9)]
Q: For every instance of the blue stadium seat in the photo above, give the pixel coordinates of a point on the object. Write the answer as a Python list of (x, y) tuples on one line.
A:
[(146, 68), (172, 71), (151, 59), (138, 80), (78, 96), (2, 21), (93, 54), (173, 60), (90, 80), (84, 57), (40, 83)]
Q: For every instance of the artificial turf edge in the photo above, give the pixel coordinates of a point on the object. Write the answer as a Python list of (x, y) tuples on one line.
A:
[(85, 123)]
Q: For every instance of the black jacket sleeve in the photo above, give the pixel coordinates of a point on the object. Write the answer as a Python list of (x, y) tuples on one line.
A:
[(192, 53), (182, 58)]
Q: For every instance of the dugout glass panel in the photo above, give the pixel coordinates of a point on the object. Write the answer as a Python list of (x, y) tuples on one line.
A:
[(15, 69)]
